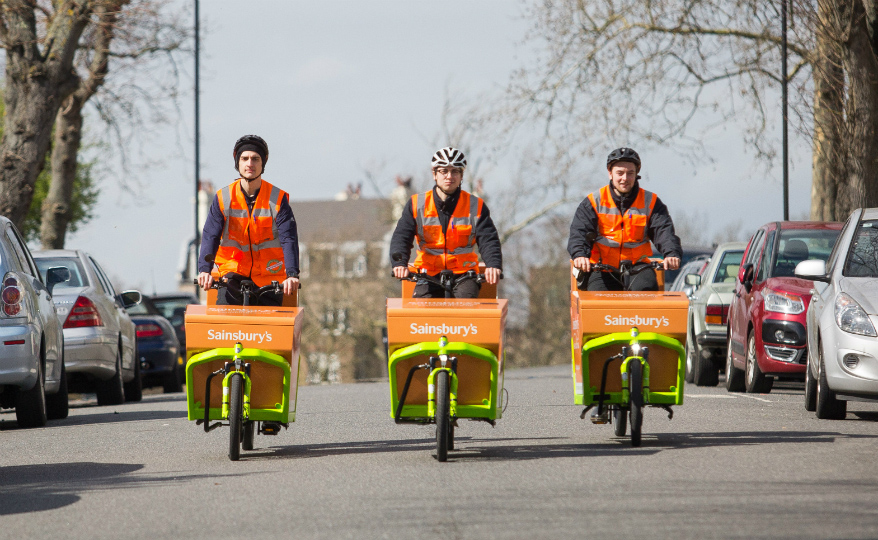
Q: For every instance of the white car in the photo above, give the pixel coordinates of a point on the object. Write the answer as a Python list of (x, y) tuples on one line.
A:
[(842, 320), (99, 337)]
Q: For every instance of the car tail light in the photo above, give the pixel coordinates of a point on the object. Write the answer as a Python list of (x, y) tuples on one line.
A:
[(83, 314), (148, 330), (716, 314), (11, 296)]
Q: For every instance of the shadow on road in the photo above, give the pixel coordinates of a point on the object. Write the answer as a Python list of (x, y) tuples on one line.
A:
[(106, 416), (35, 488)]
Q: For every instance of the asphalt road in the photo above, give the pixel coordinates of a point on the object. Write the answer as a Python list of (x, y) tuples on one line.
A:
[(726, 466)]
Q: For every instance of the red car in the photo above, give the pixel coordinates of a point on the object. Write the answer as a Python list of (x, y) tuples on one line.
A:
[(767, 314)]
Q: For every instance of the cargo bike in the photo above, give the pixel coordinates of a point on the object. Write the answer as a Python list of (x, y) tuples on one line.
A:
[(243, 365), (628, 350), (446, 357)]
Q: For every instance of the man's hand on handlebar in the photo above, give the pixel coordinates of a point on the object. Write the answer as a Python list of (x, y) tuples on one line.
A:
[(671, 263), (492, 275), (582, 263), (290, 285), (400, 272), (205, 280)]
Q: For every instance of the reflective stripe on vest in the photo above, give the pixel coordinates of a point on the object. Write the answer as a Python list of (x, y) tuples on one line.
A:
[(618, 237), (439, 249)]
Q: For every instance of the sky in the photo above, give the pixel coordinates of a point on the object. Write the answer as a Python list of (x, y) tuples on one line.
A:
[(338, 88)]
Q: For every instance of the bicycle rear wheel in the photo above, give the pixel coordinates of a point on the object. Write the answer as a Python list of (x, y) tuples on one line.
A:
[(620, 420), (443, 415), (635, 387), (236, 415), (249, 432)]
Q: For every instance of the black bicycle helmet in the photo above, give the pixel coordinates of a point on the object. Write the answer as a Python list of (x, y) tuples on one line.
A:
[(623, 154), (255, 143)]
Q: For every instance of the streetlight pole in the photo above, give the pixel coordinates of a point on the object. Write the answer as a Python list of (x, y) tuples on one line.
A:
[(784, 99), (196, 242)]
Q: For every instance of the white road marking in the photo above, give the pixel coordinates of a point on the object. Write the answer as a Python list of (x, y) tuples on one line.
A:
[(757, 398), (714, 396)]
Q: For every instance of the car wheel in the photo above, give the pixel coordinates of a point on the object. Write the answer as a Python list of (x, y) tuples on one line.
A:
[(734, 376), (30, 405), (171, 381), (828, 407), (690, 355), (111, 391), (810, 388), (57, 404), (706, 372), (134, 387), (755, 381)]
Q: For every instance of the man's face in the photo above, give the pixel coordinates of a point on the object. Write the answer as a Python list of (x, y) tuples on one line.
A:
[(623, 175), (448, 178), (250, 165)]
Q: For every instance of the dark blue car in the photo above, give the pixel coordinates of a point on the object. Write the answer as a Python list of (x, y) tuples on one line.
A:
[(158, 349)]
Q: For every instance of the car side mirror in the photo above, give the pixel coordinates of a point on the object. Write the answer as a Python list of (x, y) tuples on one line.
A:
[(130, 298), (694, 280), (56, 275), (813, 269), (688, 290), (747, 277)]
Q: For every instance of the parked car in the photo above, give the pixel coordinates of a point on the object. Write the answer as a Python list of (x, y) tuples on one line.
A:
[(767, 314), (98, 333), (158, 350), (689, 254), (695, 266), (32, 374), (842, 360), (710, 294), (172, 306)]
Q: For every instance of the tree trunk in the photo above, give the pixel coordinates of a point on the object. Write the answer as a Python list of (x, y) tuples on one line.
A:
[(861, 64), (56, 210), (36, 84)]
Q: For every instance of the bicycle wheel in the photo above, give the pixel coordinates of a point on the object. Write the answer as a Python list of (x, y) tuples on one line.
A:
[(635, 386), (236, 415), (620, 420), (249, 432), (443, 418)]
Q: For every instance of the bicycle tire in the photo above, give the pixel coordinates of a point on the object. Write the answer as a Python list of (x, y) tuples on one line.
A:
[(620, 420), (249, 432), (236, 415), (443, 415), (635, 387)]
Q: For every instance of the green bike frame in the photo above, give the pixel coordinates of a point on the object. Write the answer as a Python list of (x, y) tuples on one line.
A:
[(281, 411), (591, 389), (487, 409)]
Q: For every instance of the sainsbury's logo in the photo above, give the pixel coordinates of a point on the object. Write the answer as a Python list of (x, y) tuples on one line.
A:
[(636, 320), (239, 335), (445, 329)]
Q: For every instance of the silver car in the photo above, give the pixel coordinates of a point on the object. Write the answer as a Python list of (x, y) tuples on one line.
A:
[(32, 376), (842, 317), (710, 294), (99, 336)]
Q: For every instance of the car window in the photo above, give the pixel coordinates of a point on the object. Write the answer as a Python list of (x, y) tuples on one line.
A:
[(107, 285), (78, 277), (767, 257), (797, 245), (862, 260), (727, 269), (171, 307), (833, 256), (18, 252), (755, 247)]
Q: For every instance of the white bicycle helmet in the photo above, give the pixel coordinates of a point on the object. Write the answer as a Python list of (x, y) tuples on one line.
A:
[(449, 157)]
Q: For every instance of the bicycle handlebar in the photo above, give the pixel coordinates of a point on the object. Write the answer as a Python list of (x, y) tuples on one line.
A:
[(630, 268)]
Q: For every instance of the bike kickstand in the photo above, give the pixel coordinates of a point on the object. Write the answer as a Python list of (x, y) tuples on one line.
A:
[(585, 410), (669, 409)]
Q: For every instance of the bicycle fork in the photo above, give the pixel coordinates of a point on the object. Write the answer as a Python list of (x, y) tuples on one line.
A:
[(236, 366)]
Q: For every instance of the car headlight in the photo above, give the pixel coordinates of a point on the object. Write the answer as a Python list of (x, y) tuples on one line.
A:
[(779, 302), (851, 318)]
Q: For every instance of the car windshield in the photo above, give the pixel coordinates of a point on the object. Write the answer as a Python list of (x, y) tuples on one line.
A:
[(139, 309), (728, 267), (863, 253), (797, 245), (171, 307), (78, 278)]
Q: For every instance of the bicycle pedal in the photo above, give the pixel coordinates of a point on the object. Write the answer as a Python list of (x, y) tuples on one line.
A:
[(270, 428), (600, 419)]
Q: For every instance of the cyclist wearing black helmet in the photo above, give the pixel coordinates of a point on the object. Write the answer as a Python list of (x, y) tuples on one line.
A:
[(623, 218), (250, 231)]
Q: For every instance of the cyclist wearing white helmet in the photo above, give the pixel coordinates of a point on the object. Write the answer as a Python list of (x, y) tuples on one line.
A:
[(448, 224)]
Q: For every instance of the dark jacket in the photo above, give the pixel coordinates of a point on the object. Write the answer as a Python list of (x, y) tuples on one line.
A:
[(487, 237), (659, 229), (286, 230)]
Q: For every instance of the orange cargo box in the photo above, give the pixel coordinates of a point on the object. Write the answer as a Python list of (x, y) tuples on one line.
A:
[(274, 329)]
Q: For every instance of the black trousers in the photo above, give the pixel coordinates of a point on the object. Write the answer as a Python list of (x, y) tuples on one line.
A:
[(610, 281), (467, 288)]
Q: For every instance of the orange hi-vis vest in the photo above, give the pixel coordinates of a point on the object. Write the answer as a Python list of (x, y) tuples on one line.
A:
[(453, 249), (621, 237), (250, 245)]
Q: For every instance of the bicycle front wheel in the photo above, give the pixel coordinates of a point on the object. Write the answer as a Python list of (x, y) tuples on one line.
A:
[(635, 387), (443, 415), (236, 415)]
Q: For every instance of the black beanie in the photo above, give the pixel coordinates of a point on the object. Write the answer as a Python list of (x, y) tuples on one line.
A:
[(252, 148)]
